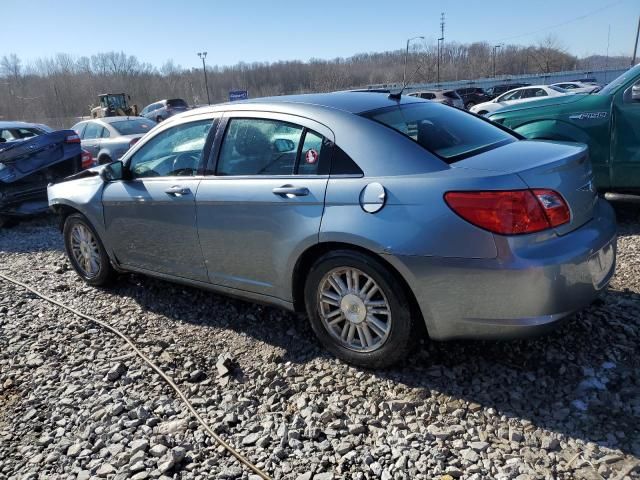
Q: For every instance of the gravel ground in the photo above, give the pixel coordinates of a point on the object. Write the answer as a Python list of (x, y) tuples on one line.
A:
[(74, 402)]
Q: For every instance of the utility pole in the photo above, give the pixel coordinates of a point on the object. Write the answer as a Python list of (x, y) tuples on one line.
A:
[(635, 45), (406, 54), (440, 41), (495, 52), (203, 55)]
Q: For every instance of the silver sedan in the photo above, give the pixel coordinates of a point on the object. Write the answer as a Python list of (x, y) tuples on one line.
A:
[(374, 214), (108, 138)]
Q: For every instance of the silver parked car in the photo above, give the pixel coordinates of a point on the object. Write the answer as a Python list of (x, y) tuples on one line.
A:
[(107, 139), (446, 97), (164, 109), (372, 214)]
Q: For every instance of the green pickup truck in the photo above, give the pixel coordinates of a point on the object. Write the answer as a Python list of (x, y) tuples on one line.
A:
[(608, 121)]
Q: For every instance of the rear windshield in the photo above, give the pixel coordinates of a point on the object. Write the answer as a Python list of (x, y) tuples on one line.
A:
[(133, 127), (557, 89), (447, 132), (177, 102)]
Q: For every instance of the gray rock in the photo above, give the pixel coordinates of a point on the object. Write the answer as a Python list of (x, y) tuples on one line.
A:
[(105, 469), (172, 427), (158, 450), (116, 372)]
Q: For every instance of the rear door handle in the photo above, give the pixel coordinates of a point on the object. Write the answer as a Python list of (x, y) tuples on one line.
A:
[(177, 191), (291, 191)]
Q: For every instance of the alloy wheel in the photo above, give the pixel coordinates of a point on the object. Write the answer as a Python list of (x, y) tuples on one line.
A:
[(85, 250), (354, 309)]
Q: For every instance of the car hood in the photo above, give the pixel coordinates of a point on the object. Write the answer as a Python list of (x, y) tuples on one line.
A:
[(544, 102)]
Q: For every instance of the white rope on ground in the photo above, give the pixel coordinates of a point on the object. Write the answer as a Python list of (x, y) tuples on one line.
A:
[(241, 458)]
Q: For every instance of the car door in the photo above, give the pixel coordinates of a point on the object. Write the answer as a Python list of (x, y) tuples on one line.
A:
[(90, 138), (150, 218), (262, 203), (625, 138)]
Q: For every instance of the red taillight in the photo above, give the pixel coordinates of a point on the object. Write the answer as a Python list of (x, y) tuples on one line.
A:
[(73, 138), (133, 142), (87, 160), (510, 212)]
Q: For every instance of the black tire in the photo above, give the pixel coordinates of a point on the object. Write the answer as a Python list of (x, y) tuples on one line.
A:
[(402, 333), (482, 112), (104, 159), (106, 273), (159, 119), (469, 105)]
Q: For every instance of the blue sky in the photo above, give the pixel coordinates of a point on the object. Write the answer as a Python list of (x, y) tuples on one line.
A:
[(251, 30)]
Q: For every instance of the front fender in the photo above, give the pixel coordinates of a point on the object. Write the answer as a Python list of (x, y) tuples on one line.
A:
[(83, 195)]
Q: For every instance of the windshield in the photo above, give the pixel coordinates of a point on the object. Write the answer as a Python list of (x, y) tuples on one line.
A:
[(133, 127), (447, 132), (177, 103), (621, 80)]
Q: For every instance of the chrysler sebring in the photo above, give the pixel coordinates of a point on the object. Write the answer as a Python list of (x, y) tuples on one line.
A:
[(374, 213)]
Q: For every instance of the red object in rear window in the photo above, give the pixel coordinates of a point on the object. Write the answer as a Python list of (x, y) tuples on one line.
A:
[(510, 212)]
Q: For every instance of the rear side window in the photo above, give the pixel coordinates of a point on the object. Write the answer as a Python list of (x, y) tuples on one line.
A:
[(254, 146), (451, 94), (449, 133), (343, 164)]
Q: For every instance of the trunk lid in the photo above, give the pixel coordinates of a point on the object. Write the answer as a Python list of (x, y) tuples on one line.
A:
[(33, 154), (559, 166)]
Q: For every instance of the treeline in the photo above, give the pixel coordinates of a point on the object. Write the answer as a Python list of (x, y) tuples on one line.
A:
[(56, 90)]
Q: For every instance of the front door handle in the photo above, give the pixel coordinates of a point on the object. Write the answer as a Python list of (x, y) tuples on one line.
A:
[(291, 191), (177, 191)]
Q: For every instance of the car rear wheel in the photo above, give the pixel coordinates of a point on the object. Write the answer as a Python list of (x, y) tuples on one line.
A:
[(85, 251), (357, 310), (158, 119), (469, 105)]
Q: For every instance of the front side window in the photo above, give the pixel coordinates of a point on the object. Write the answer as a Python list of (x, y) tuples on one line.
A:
[(79, 128), (92, 131), (259, 147), (449, 133), (173, 152)]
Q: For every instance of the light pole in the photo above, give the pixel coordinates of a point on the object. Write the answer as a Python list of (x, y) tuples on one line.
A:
[(495, 51), (203, 55), (406, 54)]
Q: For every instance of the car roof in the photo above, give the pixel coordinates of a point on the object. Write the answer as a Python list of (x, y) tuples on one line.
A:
[(110, 120), (350, 102), (16, 124)]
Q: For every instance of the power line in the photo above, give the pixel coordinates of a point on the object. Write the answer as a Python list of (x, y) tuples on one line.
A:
[(558, 25)]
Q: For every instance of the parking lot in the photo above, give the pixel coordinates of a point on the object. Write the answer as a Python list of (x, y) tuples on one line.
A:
[(75, 403)]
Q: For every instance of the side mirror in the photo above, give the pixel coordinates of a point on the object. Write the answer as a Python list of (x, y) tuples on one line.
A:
[(112, 171), (635, 93)]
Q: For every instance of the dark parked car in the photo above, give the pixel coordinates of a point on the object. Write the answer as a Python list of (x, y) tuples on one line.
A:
[(163, 109), (31, 156), (107, 139), (496, 90), (472, 96)]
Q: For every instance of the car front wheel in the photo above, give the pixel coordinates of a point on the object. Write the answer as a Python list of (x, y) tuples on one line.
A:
[(357, 309), (86, 252)]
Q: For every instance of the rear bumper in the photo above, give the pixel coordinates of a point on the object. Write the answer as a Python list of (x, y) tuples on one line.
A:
[(527, 289)]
